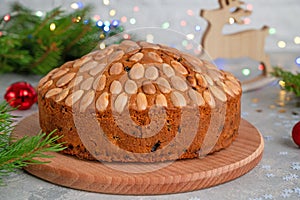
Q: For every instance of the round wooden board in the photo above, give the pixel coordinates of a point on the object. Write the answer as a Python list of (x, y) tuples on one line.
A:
[(179, 176)]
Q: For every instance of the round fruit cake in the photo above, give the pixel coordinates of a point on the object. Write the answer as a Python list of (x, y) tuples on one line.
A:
[(140, 102)]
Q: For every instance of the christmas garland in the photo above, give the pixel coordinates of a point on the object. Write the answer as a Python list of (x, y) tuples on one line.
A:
[(291, 82), (35, 44), (19, 153)]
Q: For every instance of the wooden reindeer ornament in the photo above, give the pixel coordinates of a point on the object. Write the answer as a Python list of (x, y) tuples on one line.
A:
[(249, 43)]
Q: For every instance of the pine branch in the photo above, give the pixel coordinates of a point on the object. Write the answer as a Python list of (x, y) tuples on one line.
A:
[(29, 46), (291, 81), (50, 16), (19, 153)]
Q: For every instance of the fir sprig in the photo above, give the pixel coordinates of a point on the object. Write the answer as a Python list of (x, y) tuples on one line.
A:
[(29, 46), (291, 81), (19, 153)]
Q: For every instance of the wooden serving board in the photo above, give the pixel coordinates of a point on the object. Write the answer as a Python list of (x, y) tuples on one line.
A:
[(179, 176)]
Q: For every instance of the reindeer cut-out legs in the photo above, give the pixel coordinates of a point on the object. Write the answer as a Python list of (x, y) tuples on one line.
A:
[(267, 65)]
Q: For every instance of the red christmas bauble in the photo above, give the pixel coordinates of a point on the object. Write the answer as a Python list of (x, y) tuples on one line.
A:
[(21, 95), (296, 133)]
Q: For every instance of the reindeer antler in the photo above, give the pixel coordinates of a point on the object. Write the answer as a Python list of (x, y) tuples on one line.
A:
[(230, 3), (239, 13)]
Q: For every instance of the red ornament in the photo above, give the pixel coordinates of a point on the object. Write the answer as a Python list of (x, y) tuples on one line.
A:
[(21, 95), (296, 133)]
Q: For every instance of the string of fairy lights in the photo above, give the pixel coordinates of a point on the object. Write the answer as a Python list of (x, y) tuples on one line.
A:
[(281, 44), (107, 26)]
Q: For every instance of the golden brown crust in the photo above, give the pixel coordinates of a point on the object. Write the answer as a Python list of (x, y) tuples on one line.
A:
[(146, 76)]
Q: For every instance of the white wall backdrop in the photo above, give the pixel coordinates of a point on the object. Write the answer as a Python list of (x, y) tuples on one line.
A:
[(183, 16)]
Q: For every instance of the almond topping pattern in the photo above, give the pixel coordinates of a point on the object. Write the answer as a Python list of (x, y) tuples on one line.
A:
[(168, 70), (82, 61), (136, 57), (61, 96), (115, 56), (179, 67), (116, 68), (121, 102), (87, 84), (155, 57), (151, 73), (59, 73), (99, 68), (137, 71), (115, 87), (178, 99), (88, 66), (99, 83), (209, 99), (73, 98), (148, 87), (86, 100), (130, 87), (64, 80), (218, 93), (161, 100), (53, 92), (201, 80), (102, 102), (163, 85), (196, 97), (141, 101), (179, 84), (48, 84)]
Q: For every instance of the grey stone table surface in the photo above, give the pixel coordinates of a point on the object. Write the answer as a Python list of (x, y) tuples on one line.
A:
[(270, 109)]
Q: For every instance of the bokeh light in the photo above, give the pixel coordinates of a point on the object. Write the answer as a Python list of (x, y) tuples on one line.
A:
[(297, 61), (106, 2), (272, 31), (102, 45), (115, 23), (184, 43), (183, 23), (52, 26), (165, 25), (6, 17), (39, 13), (106, 29), (231, 20), (281, 83), (96, 17), (281, 44), (261, 67), (126, 36), (189, 12), (249, 7), (124, 19), (247, 20), (190, 36), (246, 72), (198, 28), (297, 40), (132, 21), (112, 12), (149, 38), (76, 5), (136, 9), (99, 23)]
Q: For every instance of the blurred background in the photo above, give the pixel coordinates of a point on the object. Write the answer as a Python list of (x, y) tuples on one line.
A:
[(178, 23), (183, 16)]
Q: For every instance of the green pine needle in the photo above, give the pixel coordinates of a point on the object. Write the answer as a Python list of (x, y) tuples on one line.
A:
[(292, 81), (19, 153), (29, 46)]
